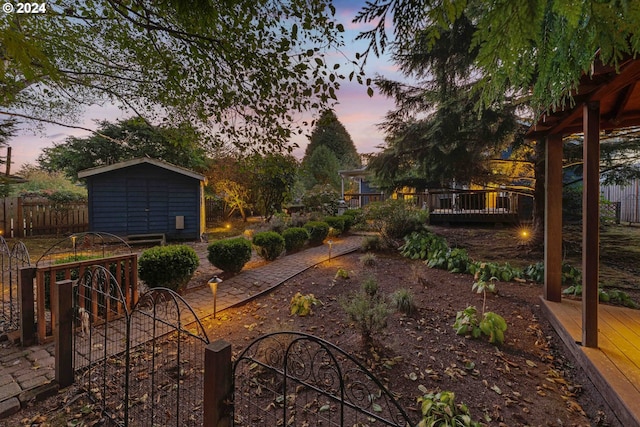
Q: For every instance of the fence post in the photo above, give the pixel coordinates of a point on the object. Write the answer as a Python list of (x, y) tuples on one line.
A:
[(27, 306), (217, 384), (63, 306)]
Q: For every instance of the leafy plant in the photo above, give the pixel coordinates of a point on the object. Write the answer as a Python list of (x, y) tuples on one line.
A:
[(342, 274), (318, 231), (367, 309), (422, 245), (614, 296), (301, 304), (482, 287), (440, 409), (492, 325), (486, 270), (229, 254), (269, 244), (369, 259), (535, 272), (403, 301), (571, 276), (458, 261), (467, 322), (168, 266), (295, 238)]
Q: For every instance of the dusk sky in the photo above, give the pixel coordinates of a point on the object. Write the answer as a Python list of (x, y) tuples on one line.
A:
[(359, 113)]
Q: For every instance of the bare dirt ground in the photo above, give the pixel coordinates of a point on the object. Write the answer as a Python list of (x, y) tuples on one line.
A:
[(528, 381)]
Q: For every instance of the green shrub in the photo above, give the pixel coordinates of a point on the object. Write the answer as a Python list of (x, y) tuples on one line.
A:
[(335, 222), (423, 245), (356, 216), (318, 231), (367, 309), (372, 244), (269, 244), (402, 300), (349, 220), (230, 254), (395, 219), (369, 259), (168, 266), (295, 238)]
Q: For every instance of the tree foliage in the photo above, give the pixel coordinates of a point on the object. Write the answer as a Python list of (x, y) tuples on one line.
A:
[(125, 140), (243, 69), (435, 135), (536, 48), (321, 168), (272, 178), (330, 133)]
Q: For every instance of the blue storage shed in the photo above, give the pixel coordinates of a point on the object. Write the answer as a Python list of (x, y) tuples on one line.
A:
[(146, 196)]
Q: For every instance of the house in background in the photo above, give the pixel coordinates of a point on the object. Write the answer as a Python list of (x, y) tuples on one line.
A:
[(145, 196), (365, 193)]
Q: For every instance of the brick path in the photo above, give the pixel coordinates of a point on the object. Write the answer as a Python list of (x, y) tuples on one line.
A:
[(28, 373)]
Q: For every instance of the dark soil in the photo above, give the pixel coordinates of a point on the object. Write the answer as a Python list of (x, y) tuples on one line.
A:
[(529, 380)]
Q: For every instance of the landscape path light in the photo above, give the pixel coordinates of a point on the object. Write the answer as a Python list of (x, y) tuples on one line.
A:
[(213, 283)]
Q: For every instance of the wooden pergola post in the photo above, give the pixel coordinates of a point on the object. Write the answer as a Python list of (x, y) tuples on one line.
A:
[(553, 219), (590, 223)]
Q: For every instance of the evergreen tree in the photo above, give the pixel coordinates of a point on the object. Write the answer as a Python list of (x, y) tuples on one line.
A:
[(436, 135), (337, 152), (321, 168), (329, 132)]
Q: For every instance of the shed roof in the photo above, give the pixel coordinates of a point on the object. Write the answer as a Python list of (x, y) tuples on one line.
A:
[(140, 160)]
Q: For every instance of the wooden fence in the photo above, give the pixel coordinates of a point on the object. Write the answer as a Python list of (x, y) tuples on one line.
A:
[(38, 216)]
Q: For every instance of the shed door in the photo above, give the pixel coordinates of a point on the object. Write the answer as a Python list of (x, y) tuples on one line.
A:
[(147, 206)]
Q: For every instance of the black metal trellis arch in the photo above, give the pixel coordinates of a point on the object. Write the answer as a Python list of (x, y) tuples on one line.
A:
[(100, 338), (11, 261), (292, 378), (166, 335)]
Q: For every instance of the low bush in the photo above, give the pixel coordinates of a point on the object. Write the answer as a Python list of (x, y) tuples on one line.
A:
[(372, 244), (402, 300), (168, 266), (229, 255), (367, 309), (369, 259), (295, 238), (337, 223), (302, 304), (395, 219), (269, 244), (318, 231), (349, 220)]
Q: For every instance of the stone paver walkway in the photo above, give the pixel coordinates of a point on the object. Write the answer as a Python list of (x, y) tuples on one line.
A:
[(28, 373)]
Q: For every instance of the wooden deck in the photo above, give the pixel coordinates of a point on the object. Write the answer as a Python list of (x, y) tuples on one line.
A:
[(614, 367)]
